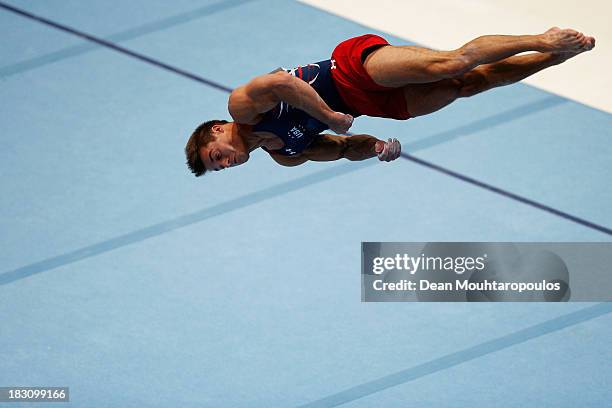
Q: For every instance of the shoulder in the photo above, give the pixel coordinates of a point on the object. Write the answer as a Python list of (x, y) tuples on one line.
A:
[(259, 85)]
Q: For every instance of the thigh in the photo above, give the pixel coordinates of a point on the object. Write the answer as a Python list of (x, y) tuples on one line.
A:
[(422, 99), (397, 66)]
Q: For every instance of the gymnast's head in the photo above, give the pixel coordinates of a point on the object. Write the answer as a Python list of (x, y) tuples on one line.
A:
[(215, 145)]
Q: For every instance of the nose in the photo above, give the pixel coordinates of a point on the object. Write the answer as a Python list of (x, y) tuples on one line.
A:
[(225, 164)]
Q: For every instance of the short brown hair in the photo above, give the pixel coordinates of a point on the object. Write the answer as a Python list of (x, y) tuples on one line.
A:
[(200, 138)]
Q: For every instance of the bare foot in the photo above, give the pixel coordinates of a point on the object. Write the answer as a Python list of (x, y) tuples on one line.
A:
[(567, 40), (588, 43), (340, 123)]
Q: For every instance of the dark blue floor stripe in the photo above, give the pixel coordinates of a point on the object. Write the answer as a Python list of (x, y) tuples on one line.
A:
[(126, 35), (508, 194), (115, 47)]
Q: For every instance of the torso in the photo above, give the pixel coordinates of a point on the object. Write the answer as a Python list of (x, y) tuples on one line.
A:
[(270, 141), (288, 131)]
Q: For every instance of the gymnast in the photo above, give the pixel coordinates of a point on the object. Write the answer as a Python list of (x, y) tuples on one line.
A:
[(286, 111)]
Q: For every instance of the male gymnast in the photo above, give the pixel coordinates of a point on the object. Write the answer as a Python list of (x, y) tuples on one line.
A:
[(284, 112)]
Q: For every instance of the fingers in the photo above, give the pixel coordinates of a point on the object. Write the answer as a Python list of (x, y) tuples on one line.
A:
[(396, 149), (341, 123), (390, 151), (349, 122)]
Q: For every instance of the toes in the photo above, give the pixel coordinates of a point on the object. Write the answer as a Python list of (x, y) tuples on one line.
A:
[(588, 43)]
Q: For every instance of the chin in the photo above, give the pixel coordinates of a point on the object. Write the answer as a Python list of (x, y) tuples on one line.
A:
[(242, 158)]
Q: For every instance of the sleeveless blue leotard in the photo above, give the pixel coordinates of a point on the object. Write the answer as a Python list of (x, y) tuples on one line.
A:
[(295, 127)]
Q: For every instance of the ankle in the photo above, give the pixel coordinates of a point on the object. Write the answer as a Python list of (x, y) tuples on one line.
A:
[(541, 43), (557, 58)]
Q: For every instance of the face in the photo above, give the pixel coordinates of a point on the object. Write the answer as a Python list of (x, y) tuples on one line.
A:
[(226, 150)]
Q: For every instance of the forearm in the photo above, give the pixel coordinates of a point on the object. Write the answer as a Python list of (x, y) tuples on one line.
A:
[(354, 148), (362, 147), (330, 148), (301, 95)]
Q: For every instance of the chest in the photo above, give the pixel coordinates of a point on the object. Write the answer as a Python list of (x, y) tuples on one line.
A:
[(292, 127), (269, 140)]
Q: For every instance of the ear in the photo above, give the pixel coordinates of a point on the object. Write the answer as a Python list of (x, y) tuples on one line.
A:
[(217, 128)]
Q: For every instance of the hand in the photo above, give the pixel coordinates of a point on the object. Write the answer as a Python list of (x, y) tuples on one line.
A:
[(340, 123), (390, 151)]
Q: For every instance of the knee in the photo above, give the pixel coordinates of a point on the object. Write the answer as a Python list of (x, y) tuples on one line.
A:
[(454, 64), (473, 82)]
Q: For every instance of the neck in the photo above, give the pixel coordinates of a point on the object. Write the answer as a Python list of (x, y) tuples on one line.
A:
[(245, 132)]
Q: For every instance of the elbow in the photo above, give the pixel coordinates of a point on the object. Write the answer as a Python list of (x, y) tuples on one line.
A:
[(289, 164), (281, 83), (289, 161)]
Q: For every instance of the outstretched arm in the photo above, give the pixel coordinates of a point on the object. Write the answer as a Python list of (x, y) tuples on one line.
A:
[(249, 102), (357, 147)]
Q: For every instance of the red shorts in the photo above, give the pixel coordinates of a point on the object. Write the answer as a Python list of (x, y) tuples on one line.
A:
[(357, 89)]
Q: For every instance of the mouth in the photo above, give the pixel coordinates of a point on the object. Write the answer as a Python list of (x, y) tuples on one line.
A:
[(239, 158)]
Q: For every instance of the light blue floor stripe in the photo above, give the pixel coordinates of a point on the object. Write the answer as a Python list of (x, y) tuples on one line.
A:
[(459, 357), (485, 123), (126, 35), (179, 222)]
